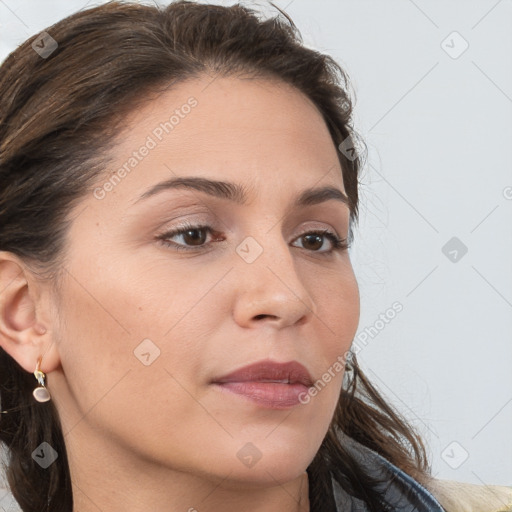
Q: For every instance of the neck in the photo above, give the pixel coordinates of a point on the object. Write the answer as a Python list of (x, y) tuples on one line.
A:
[(179, 492), (105, 478)]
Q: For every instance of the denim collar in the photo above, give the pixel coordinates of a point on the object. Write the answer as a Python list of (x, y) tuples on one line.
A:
[(405, 493)]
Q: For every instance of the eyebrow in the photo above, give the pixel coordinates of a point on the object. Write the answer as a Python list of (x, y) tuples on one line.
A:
[(238, 193)]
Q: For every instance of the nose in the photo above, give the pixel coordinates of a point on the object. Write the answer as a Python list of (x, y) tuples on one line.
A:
[(270, 290)]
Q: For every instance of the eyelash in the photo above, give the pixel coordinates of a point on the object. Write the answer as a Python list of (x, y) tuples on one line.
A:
[(338, 244)]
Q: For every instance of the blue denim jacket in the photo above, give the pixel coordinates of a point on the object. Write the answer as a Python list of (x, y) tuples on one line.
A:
[(406, 494)]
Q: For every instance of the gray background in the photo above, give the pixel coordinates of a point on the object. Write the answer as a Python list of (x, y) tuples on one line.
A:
[(438, 124)]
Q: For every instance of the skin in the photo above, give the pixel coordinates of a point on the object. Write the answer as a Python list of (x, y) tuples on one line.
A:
[(160, 437)]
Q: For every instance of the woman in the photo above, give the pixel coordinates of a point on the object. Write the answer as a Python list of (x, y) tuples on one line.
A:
[(177, 300)]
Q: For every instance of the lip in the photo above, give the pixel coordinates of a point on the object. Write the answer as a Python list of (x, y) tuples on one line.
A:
[(268, 383)]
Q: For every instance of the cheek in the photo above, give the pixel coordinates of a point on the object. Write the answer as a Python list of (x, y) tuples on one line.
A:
[(130, 332), (123, 377), (336, 294), (94, 346)]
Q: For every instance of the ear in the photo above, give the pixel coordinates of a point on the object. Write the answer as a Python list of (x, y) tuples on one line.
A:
[(25, 321)]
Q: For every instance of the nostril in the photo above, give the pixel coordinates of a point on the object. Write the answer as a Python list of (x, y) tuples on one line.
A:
[(258, 317)]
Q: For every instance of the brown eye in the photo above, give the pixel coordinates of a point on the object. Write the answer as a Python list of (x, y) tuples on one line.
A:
[(194, 236), (189, 237), (313, 242)]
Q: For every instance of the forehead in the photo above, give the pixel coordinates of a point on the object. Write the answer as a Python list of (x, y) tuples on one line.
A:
[(260, 133), (222, 103)]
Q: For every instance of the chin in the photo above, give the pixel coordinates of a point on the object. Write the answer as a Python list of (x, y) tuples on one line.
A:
[(264, 475), (261, 464)]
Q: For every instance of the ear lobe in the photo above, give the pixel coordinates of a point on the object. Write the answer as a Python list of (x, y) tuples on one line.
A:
[(21, 335)]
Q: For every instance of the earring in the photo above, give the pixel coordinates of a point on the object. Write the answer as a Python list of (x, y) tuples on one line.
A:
[(41, 394), (348, 375)]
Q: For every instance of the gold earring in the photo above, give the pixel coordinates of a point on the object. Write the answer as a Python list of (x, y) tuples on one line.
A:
[(41, 394)]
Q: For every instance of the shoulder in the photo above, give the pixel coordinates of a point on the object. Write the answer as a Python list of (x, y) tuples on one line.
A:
[(463, 497), (428, 495)]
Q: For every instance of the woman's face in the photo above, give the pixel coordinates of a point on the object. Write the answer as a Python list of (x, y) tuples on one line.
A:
[(148, 320)]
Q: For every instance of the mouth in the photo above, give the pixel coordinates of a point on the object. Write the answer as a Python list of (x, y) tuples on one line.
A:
[(268, 384)]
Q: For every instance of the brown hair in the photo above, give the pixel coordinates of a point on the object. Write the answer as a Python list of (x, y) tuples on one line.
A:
[(60, 114)]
